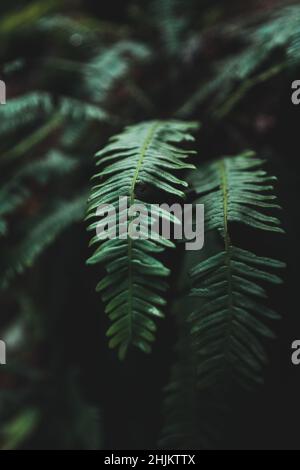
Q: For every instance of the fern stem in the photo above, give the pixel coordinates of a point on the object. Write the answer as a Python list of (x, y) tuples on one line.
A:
[(197, 98), (143, 153), (225, 190), (230, 104), (224, 187)]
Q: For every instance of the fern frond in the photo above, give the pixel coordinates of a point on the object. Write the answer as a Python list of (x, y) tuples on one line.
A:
[(172, 21), (31, 106), (23, 110), (230, 321), (111, 65), (79, 110), (41, 233), (274, 40), (144, 154), (281, 32)]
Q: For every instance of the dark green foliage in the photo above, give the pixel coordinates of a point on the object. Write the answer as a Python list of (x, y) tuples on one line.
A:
[(145, 154), (75, 78), (275, 40), (41, 233), (111, 65), (229, 321), (222, 342)]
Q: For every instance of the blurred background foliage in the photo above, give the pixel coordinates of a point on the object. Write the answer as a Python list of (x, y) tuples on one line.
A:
[(77, 72)]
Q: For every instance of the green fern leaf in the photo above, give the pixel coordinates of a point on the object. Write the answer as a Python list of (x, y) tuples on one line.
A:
[(42, 232), (148, 154), (110, 65), (29, 107), (23, 110), (230, 320)]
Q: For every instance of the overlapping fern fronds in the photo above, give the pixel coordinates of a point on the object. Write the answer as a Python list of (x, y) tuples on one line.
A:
[(144, 154), (37, 114), (272, 45), (108, 68), (231, 320)]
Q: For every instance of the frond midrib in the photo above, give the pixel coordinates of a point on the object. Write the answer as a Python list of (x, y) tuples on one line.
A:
[(225, 195), (230, 316), (143, 152)]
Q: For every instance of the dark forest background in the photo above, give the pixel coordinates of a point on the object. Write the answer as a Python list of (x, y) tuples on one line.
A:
[(62, 387)]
